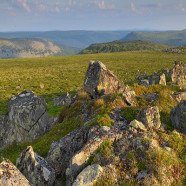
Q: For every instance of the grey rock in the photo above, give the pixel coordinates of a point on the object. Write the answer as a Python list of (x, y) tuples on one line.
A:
[(11, 176), (157, 79), (62, 151), (96, 137), (35, 168), (141, 175), (101, 81), (89, 176), (26, 120), (137, 125), (178, 74), (64, 100), (178, 117), (151, 97), (144, 82), (150, 117)]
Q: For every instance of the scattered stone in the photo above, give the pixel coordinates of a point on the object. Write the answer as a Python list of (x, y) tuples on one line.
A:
[(137, 125), (89, 176), (26, 120), (64, 100), (178, 74), (101, 81), (150, 117), (178, 117), (141, 175), (167, 149), (11, 176), (35, 168), (157, 79)]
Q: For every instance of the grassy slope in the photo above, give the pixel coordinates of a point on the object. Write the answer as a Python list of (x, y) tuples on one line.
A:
[(60, 74), (120, 46)]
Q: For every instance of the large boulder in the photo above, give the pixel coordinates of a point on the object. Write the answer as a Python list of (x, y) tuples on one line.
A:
[(89, 176), (178, 74), (63, 150), (178, 117), (101, 81), (35, 168), (11, 176), (150, 117), (26, 120), (179, 96)]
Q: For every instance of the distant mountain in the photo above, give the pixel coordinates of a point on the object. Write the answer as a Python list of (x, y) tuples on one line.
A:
[(74, 40), (119, 46), (175, 38), (12, 48)]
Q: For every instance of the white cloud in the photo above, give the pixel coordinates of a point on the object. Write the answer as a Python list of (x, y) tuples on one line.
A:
[(25, 5)]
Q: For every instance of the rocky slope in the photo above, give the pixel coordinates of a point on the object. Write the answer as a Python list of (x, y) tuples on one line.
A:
[(122, 135), (120, 46), (13, 48)]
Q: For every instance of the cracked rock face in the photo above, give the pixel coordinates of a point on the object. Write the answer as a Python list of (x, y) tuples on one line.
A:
[(101, 81), (178, 117), (35, 168), (11, 176), (26, 120)]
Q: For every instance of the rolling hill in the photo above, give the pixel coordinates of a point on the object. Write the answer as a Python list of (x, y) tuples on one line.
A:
[(175, 38), (120, 46), (13, 48), (76, 40)]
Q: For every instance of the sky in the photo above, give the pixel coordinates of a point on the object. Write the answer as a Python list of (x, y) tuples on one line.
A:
[(43, 15)]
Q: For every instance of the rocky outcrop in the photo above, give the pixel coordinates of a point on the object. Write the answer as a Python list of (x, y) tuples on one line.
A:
[(96, 137), (178, 74), (178, 117), (26, 120), (62, 151), (101, 81), (11, 176), (150, 117), (89, 176), (35, 168), (137, 125)]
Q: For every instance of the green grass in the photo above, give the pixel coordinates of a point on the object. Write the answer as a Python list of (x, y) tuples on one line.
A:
[(61, 74)]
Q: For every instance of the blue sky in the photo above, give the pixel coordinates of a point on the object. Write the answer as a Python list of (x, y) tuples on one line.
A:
[(35, 15)]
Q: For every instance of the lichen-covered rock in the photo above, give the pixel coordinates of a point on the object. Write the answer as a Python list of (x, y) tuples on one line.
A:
[(26, 120), (150, 117), (11, 176), (35, 168), (137, 125), (144, 82), (96, 137), (101, 81), (63, 150), (178, 74), (178, 117), (89, 176)]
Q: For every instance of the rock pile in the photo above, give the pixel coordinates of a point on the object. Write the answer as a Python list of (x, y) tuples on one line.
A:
[(101, 81), (26, 120)]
